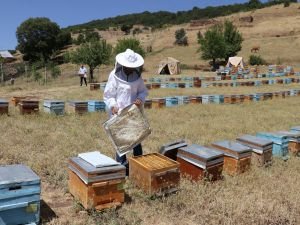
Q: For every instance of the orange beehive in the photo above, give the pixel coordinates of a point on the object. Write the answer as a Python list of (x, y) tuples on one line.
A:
[(97, 188), (154, 173), (237, 157)]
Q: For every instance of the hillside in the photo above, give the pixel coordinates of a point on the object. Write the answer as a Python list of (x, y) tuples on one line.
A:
[(275, 29)]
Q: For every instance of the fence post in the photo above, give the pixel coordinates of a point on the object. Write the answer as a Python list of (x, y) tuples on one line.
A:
[(45, 75), (2, 74)]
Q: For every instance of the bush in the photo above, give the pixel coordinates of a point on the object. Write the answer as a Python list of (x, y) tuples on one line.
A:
[(286, 3), (256, 60)]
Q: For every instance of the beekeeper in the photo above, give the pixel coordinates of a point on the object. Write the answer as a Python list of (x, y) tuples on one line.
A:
[(125, 86)]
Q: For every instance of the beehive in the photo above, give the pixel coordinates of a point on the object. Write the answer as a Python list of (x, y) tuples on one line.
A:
[(198, 162), (94, 187), (237, 157), (170, 149), (28, 106), (154, 173), (158, 103), (3, 106), (78, 107), (261, 149), (20, 190), (56, 107)]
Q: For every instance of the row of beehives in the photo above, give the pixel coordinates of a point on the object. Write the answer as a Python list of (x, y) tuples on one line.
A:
[(198, 80), (201, 84), (218, 99), (102, 187), (57, 107), (27, 105)]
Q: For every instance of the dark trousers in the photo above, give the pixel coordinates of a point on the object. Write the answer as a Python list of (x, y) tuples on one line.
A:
[(81, 80), (137, 150)]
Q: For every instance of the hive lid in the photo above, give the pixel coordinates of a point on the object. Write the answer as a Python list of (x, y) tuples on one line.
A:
[(257, 141), (233, 149), (97, 159), (3, 101), (291, 134), (21, 174), (297, 128), (203, 152), (88, 169)]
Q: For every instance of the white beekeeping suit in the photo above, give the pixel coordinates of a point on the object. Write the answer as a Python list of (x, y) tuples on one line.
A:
[(122, 89)]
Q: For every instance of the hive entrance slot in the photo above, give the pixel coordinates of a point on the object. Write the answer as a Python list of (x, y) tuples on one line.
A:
[(14, 188)]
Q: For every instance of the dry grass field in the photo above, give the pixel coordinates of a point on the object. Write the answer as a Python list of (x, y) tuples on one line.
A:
[(260, 196)]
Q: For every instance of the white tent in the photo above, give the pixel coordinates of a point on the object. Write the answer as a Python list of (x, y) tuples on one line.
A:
[(236, 62), (169, 66), (6, 54)]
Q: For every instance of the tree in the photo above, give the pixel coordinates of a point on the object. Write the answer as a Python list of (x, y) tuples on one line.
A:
[(233, 40), (254, 4), (220, 41), (126, 28), (212, 44), (92, 36), (130, 43), (37, 38), (80, 39), (63, 38), (180, 37), (93, 54)]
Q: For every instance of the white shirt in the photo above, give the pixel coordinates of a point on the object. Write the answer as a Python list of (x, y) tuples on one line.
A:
[(82, 71), (120, 93)]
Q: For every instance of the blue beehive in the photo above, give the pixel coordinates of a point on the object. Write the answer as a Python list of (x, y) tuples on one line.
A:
[(207, 99), (293, 92), (156, 80), (204, 85), (296, 128), (173, 85), (171, 101), (218, 99), (164, 85), (102, 86), (151, 79), (257, 83), (19, 195), (56, 107), (257, 97), (96, 106), (188, 85), (271, 82), (280, 142), (183, 100)]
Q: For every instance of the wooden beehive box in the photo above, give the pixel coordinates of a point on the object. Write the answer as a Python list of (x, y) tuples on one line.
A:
[(293, 141), (20, 190), (195, 99), (237, 157), (16, 99), (148, 104), (280, 143), (28, 106), (261, 149), (198, 162), (94, 86), (56, 107), (158, 103), (3, 106), (94, 187), (154, 173), (78, 107), (170, 149)]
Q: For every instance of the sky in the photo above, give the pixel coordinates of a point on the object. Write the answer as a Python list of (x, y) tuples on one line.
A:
[(72, 12)]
